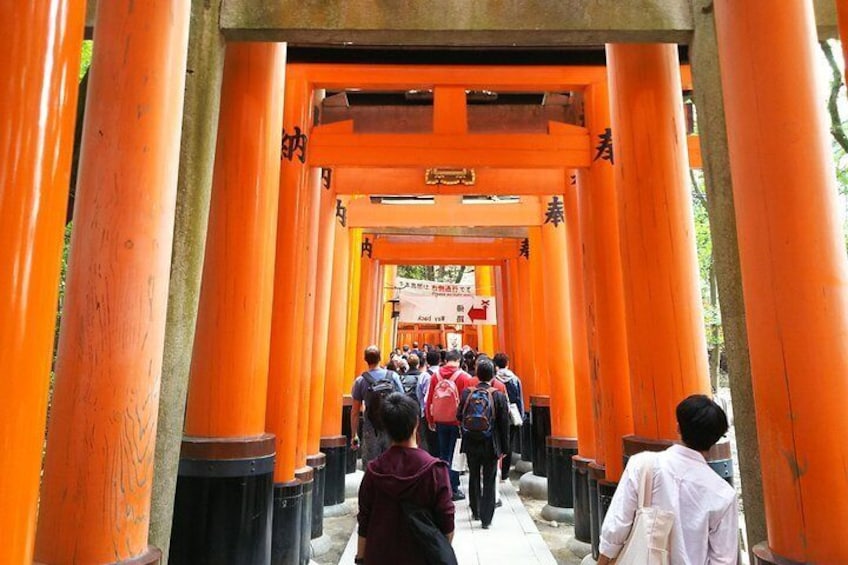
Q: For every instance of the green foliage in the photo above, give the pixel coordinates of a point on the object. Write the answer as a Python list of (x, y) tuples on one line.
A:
[(85, 61), (446, 273)]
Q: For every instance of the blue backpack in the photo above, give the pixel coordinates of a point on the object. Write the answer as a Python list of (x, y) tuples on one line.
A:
[(478, 414)]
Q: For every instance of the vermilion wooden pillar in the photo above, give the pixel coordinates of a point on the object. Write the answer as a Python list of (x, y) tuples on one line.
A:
[(352, 353), (387, 337), (485, 284), (665, 320), (38, 98), (304, 318), (794, 273), (527, 371), (561, 445), (512, 312), (369, 280), (318, 368), (610, 369), (284, 384), (225, 412), (541, 359), (95, 497), (502, 333), (333, 443), (580, 350), (842, 14), (583, 397)]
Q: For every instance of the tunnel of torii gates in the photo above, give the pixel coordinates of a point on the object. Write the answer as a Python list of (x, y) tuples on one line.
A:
[(583, 231)]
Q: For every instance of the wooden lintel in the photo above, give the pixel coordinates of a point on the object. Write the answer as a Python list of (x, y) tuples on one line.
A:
[(547, 151), (453, 231), (443, 250), (361, 213)]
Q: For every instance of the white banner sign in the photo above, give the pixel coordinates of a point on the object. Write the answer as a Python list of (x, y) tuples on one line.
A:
[(451, 310), (432, 288)]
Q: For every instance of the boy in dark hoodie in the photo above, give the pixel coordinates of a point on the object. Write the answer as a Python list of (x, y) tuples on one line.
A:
[(404, 473)]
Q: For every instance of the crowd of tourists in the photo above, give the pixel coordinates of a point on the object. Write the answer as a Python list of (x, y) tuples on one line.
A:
[(427, 406)]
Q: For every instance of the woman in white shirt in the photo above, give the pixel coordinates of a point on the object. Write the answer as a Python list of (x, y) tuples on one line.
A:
[(705, 530)]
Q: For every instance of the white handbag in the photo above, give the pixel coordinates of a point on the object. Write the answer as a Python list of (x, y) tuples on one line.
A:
[(650, 537)]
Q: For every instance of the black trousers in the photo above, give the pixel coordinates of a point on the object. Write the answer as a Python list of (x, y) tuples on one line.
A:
[(514, 442), (487, 468)]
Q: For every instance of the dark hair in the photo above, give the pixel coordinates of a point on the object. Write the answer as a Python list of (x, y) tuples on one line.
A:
[(485, 370), (415, 344), (453, 355), (392, 366), (702, 422), (433, 358), (400, 415), (442, 355), (372, 355), (501, 360), (405, 347), (413, 361)]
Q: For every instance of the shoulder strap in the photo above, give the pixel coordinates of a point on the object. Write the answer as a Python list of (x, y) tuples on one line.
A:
[(455, 376), (646, 481), (369, 378)]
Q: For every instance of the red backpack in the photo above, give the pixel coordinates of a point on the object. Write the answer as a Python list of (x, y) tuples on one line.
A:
[(445, 400)]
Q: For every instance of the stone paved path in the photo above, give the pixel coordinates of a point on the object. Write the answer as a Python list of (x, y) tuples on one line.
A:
[(512, 538)]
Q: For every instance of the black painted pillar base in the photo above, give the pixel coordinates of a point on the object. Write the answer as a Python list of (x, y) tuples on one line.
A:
[(335, 449), (763, 555), (318, 462), (288, 507), (527, 438), (307, 479), (350, 455), (719, 457), (580, 488), (540, 417), (559, 452), (597, 473), (223, 503)]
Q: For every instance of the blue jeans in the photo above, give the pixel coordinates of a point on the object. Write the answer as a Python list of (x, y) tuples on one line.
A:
[(448, 434)]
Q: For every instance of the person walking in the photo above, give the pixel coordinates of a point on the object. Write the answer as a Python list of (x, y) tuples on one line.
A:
[(446, 388), (369, 390), (401, 479), (484, 414), (429, 436), (512, 385), (705, 525)]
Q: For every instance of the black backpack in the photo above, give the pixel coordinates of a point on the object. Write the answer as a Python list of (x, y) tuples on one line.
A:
[(410, 385), (478, 413), (377, 391)]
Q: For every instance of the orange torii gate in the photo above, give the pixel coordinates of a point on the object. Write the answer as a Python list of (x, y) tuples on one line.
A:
[(792, 259)]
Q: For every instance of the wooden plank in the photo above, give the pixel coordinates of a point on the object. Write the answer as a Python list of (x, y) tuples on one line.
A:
[(570, 150), (426, 23), (410, 181)]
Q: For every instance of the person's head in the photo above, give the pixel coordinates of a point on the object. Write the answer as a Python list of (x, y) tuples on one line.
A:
[(427, 348), (414, 345), (413, 361), (701, 422), (372, 355), (485, 370), (392, 365), (402, 366), (453, 357), (405, 348), (433, 358), (501, 360), (400, 417), (442, 356)]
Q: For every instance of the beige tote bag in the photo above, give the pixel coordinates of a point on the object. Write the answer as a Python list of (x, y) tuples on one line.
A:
[(650, 537)]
